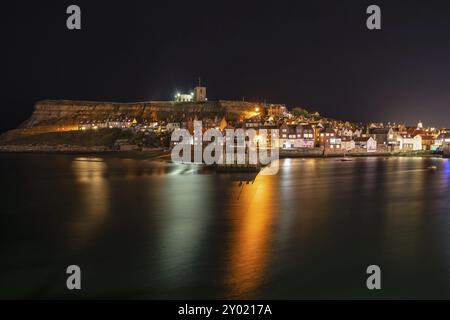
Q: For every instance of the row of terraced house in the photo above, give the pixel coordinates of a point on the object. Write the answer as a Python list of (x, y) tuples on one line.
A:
[(305, 134), (370, 139)]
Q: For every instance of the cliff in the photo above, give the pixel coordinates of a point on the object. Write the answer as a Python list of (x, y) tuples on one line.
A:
[(67, 113)]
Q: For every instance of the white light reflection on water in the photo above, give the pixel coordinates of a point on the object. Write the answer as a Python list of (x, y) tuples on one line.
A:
[(185, 213)]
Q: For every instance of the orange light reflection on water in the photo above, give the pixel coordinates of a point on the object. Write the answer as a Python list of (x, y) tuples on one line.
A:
[(89, 173), (250, 250)]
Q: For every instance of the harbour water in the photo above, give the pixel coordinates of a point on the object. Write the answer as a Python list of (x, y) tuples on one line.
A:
[(145, 229)]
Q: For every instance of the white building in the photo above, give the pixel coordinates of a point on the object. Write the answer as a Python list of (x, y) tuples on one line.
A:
[(410, 143), (296, 137), (441, 139), (368, 143), (198, 95), (347, 144), (182, 97)]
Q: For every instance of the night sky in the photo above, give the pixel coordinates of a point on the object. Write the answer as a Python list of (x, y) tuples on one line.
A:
[(313, 54)]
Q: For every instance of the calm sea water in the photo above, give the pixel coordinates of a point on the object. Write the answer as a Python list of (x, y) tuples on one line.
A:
[(147, 229)]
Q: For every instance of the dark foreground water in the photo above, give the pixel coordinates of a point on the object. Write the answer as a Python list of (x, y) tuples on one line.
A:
[(146, 229)]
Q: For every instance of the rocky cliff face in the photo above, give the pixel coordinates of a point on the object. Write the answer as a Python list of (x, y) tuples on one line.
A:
[(66, 113), (51, 112), (55, 116)]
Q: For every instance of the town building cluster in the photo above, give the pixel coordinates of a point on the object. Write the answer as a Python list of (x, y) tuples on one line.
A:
[(373, 137), (297, 129), (297, 133)]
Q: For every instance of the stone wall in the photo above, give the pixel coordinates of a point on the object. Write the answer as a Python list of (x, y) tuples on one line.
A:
[(359, 152), (52, 149)]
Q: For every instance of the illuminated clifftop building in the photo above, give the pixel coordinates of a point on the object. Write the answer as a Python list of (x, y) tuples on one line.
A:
[(198, 95), (182, 97)]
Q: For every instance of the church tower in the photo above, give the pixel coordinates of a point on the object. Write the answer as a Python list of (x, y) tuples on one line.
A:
[(200, 93)]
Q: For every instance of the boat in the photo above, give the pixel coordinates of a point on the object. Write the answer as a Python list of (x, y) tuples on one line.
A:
[(432, 168)]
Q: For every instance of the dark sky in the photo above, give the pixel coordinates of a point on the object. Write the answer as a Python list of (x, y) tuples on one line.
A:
[(313, 54)]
